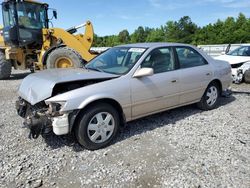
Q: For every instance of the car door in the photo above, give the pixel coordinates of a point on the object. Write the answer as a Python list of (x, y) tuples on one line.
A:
[(194, 74), (154, 93)]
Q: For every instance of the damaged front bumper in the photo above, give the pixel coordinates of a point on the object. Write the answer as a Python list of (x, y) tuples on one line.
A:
[(41, 120), (238, 72), (60, 125)]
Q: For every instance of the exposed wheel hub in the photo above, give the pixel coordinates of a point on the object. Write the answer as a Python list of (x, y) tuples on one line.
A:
[(63, 62)]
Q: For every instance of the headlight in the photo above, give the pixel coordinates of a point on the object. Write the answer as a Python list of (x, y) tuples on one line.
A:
[(55, 107)]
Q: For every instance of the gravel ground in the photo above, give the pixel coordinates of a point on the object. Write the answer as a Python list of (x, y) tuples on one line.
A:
[(184, 147)]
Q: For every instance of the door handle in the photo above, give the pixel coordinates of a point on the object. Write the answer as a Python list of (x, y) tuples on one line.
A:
[(174, 81), (208, 74)]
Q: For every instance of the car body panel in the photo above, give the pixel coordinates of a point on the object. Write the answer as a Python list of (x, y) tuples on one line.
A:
[(115, 89), (154, 93), (192, 87), (233, 59), (39, 86), (222, 72)]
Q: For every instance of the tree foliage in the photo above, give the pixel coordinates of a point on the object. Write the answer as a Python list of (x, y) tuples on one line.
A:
[(231, 30), (124, 36)]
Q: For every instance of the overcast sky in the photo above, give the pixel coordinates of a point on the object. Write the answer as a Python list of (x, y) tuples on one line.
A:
[(111, 16)]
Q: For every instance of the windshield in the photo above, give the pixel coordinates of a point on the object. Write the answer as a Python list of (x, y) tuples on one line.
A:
[(241, 51), (8, 15), (31, 15), (118, 60)]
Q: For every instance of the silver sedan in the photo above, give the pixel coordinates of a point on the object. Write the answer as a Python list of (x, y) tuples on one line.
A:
[(122, 84)]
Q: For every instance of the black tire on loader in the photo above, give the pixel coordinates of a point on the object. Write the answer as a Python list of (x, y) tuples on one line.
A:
[(5, 67), (247, 76), (64, 57)]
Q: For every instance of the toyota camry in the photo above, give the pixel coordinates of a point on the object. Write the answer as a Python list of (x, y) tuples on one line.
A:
[(122, 84)]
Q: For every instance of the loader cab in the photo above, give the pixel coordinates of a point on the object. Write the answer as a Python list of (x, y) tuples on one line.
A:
[(23, 23)]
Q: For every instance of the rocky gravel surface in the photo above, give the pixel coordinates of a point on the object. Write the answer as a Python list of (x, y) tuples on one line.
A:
[(184, 147)]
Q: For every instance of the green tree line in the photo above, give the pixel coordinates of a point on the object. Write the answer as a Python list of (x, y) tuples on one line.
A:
[(232, 30)]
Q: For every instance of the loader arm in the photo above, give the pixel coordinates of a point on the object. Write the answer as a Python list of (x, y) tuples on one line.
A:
[(87, 38), (80, 43)]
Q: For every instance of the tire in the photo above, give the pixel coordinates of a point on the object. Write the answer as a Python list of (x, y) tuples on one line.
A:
[(92, 131), (5, 67), (64, 57), (247, 76), (210, 98)]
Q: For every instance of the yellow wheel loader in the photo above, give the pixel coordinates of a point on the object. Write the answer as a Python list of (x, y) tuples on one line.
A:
[(27, 42)]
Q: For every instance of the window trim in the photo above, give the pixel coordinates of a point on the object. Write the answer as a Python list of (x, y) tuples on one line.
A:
[(188, 47)]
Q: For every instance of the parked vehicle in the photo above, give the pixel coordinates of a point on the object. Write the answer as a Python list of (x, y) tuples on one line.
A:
[(240, 63), (122, 84)]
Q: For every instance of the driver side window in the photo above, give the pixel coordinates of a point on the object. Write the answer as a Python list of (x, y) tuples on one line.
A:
[(160, 60)]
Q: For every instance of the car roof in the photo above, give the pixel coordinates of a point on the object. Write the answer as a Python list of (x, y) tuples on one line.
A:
[(152, 45)]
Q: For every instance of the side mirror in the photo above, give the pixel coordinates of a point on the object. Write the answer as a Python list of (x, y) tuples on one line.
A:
[(142, 72), (55, 14)]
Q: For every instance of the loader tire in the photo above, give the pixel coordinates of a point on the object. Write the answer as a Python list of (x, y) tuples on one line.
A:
[(64, 58), (5, 67), (247, 76)]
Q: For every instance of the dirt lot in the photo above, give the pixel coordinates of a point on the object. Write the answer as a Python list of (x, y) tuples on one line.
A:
[(184, 147)]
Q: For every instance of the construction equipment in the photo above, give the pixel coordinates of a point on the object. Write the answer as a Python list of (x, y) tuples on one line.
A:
[(26, 40)]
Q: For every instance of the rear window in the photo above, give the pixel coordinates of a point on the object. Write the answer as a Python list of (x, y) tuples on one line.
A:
[(188, 57)]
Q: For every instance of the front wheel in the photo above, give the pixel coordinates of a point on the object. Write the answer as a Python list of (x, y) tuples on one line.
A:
[(210, 98), (97, 126)]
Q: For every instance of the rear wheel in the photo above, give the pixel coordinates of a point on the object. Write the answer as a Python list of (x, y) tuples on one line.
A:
[(64, 58), (210, 98), (5, 67), (97, 126), (247, 76)]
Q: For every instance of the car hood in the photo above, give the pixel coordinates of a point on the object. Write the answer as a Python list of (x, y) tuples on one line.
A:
[(39, 86), (233, 59)]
